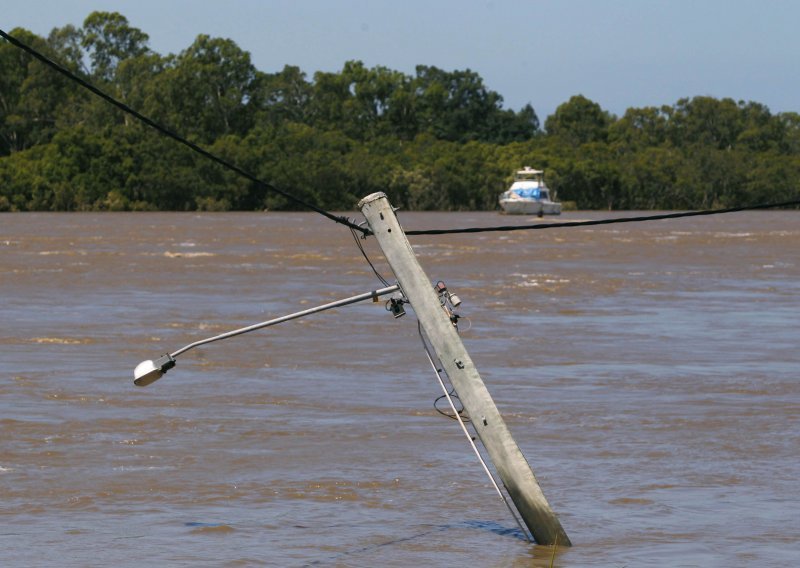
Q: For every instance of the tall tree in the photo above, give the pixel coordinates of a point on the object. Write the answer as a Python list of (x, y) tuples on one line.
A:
[(371, 90), (640, 128), (283, 96), (761, 131), (109, 39), (209, 90), (32, 97), (455, 105), (707, 121), (790, 123), (578, 121)]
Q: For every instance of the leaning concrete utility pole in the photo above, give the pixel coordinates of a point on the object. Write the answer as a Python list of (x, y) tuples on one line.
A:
[(508, 460)]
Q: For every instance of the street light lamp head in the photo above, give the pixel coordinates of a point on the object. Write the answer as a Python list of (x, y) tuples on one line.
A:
[(149, 371)]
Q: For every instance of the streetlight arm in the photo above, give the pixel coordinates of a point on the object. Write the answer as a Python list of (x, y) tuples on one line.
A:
[(263, 324), (150, 371)]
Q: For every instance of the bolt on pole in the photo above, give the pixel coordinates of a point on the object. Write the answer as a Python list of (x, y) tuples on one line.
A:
[(511, 465)]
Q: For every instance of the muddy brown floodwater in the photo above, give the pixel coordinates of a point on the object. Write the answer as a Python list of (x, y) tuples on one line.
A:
[(649, 373)]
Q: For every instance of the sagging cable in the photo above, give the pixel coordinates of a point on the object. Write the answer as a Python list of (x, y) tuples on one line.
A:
[(176, 137)]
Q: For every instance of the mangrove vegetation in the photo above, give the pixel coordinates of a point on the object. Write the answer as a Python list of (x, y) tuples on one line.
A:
[(436, 139)]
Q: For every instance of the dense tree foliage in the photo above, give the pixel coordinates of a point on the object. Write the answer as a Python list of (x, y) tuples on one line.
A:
[(436, 139)]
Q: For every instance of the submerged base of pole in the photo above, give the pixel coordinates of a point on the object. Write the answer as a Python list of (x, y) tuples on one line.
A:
[(489, 425)]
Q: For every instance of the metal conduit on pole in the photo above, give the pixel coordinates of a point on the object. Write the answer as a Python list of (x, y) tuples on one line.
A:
[(511, 465)]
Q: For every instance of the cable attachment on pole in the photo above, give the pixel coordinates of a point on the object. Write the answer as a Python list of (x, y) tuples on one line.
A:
[(449, 301), (355, 226), (395, 305)]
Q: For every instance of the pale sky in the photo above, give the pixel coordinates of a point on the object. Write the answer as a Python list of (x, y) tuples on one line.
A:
[(619, 53)]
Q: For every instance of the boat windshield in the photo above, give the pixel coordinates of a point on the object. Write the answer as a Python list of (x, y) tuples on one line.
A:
[(532, 193)]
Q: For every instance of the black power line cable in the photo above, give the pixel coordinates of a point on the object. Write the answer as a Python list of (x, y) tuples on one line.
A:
[(364, 254), (611, 221), (166, 132)]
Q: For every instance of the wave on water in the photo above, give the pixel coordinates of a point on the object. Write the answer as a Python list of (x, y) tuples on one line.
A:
[(169, 254)]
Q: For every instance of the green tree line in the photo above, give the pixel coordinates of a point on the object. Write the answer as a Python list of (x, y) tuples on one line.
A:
[(436, 139)]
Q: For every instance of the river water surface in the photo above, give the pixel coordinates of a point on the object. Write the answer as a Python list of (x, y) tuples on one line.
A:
[(648, 371)]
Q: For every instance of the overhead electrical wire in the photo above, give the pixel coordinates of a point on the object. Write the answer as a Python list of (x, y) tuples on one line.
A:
[(364, 254), (614, 220), (181, 140), (344, 220)]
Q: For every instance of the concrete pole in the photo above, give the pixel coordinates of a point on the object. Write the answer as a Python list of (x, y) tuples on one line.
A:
[(491, 429)]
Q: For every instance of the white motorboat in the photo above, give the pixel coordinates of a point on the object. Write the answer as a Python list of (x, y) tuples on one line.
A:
[(529, 195)]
